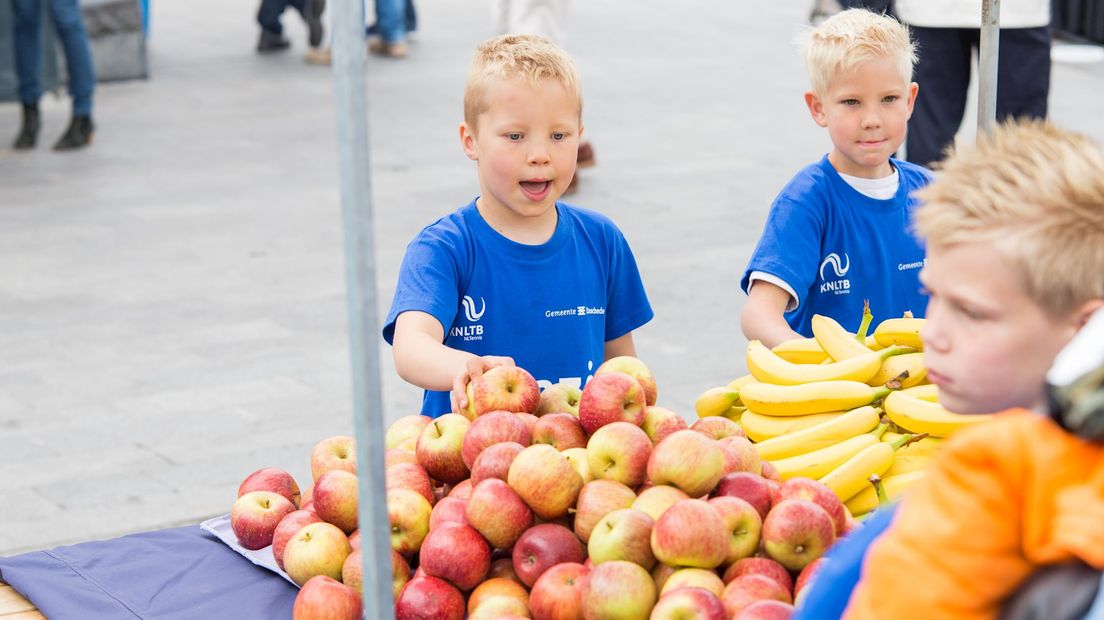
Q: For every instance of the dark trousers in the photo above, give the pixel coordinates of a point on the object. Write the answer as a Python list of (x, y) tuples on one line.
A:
[(268, 16), (943, 73)]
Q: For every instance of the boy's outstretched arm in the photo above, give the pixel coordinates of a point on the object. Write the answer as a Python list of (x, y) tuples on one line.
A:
[(762, 317), (422, 359), (622, 345)]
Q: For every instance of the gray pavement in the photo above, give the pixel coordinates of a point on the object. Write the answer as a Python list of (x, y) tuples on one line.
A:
[(172, 311)]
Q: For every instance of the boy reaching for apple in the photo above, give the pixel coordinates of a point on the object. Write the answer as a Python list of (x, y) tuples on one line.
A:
[(515, 276), (1015, 234)]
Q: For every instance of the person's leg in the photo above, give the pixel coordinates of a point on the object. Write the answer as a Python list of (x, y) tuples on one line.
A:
[(272, 31), (1023, 73), (78, 53), (311, 10), (943, 74), (28, 67), (411, 17), (390, 22)]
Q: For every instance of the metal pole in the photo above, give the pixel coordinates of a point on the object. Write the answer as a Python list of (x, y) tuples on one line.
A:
[(360, 281), (988, 50)]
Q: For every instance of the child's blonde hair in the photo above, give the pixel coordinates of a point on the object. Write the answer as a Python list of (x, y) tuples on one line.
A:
[(529, 57), (1036, 193), (852, 37)]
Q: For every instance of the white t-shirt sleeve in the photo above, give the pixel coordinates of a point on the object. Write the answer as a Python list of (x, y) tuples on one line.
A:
[(775, 280)]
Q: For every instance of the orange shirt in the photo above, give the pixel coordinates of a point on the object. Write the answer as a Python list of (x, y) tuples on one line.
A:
[(1001, 499)]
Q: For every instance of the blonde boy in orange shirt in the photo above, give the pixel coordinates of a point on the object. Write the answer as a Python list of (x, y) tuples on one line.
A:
[(1015, 233)]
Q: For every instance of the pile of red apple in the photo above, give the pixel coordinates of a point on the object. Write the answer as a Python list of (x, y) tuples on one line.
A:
[(558, 504)]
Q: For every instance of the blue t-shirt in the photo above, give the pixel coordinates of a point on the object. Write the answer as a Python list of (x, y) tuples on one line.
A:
[(552, 307), (837, 247)]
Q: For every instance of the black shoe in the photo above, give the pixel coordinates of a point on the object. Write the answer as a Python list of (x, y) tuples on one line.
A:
[(272, 42), (78, 135), (312, 14), (28, 133)]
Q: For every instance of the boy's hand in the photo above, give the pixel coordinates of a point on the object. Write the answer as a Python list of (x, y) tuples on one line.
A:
[(474, 367)]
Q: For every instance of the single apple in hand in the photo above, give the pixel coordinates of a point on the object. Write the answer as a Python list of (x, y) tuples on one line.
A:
[(619, 451), (288, 527), (337, 452), (271, 479), (316, 549), (335, 499), (660, 422), (542, 547), (559, 398), (456, 553), (558, 592), (562, 431), (429, 598), (689, 604), (623, 535), (611, 397), (504, 388), (796, 532), (440, 448), (325, 598), (597, 499), (618, 589), (255, 515), (634, 368)]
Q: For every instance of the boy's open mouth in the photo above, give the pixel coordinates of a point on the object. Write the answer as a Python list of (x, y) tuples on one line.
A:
[(536, 190)]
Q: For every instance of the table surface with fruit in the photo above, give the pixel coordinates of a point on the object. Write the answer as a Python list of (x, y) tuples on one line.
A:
[(596, 502)]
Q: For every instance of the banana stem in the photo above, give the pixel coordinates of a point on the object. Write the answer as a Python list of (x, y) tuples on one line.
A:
[(906, 440), (897, 382), (879, 489), (864, 326), (880, 430)]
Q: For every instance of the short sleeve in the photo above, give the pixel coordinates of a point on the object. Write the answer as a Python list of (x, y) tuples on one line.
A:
[(429, 281), (627, 306), (789, 247)]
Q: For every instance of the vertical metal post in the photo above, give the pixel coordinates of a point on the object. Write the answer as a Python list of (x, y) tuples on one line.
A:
[(360, 281), (988, 50)]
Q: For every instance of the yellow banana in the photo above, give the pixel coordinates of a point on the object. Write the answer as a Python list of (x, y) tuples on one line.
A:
[(819, 463), (867, 499), (769, 368), (872, 344), (904, 332), (819, 397), (852, 476), (760, 427), (904, 464), (734, 413), (740, 382), (927, 446), (836, 341), (716, 401), (921, 416), (928, 392), (801, 351), (894, 367), (854, 422)]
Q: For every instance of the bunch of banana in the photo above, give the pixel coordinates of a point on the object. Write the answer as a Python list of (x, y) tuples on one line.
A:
[(903, 331), (807, 398), (801, 351), (912, 412), (827, 433), (760, 427), (852, 476)]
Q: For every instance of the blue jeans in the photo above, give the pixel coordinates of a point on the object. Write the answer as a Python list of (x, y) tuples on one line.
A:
[(268, 16), (74, 40), (394, 18)]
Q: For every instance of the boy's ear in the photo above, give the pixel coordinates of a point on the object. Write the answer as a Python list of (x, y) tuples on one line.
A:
[(1086, 311), (913, 88), (816, 108), (467, 142)]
